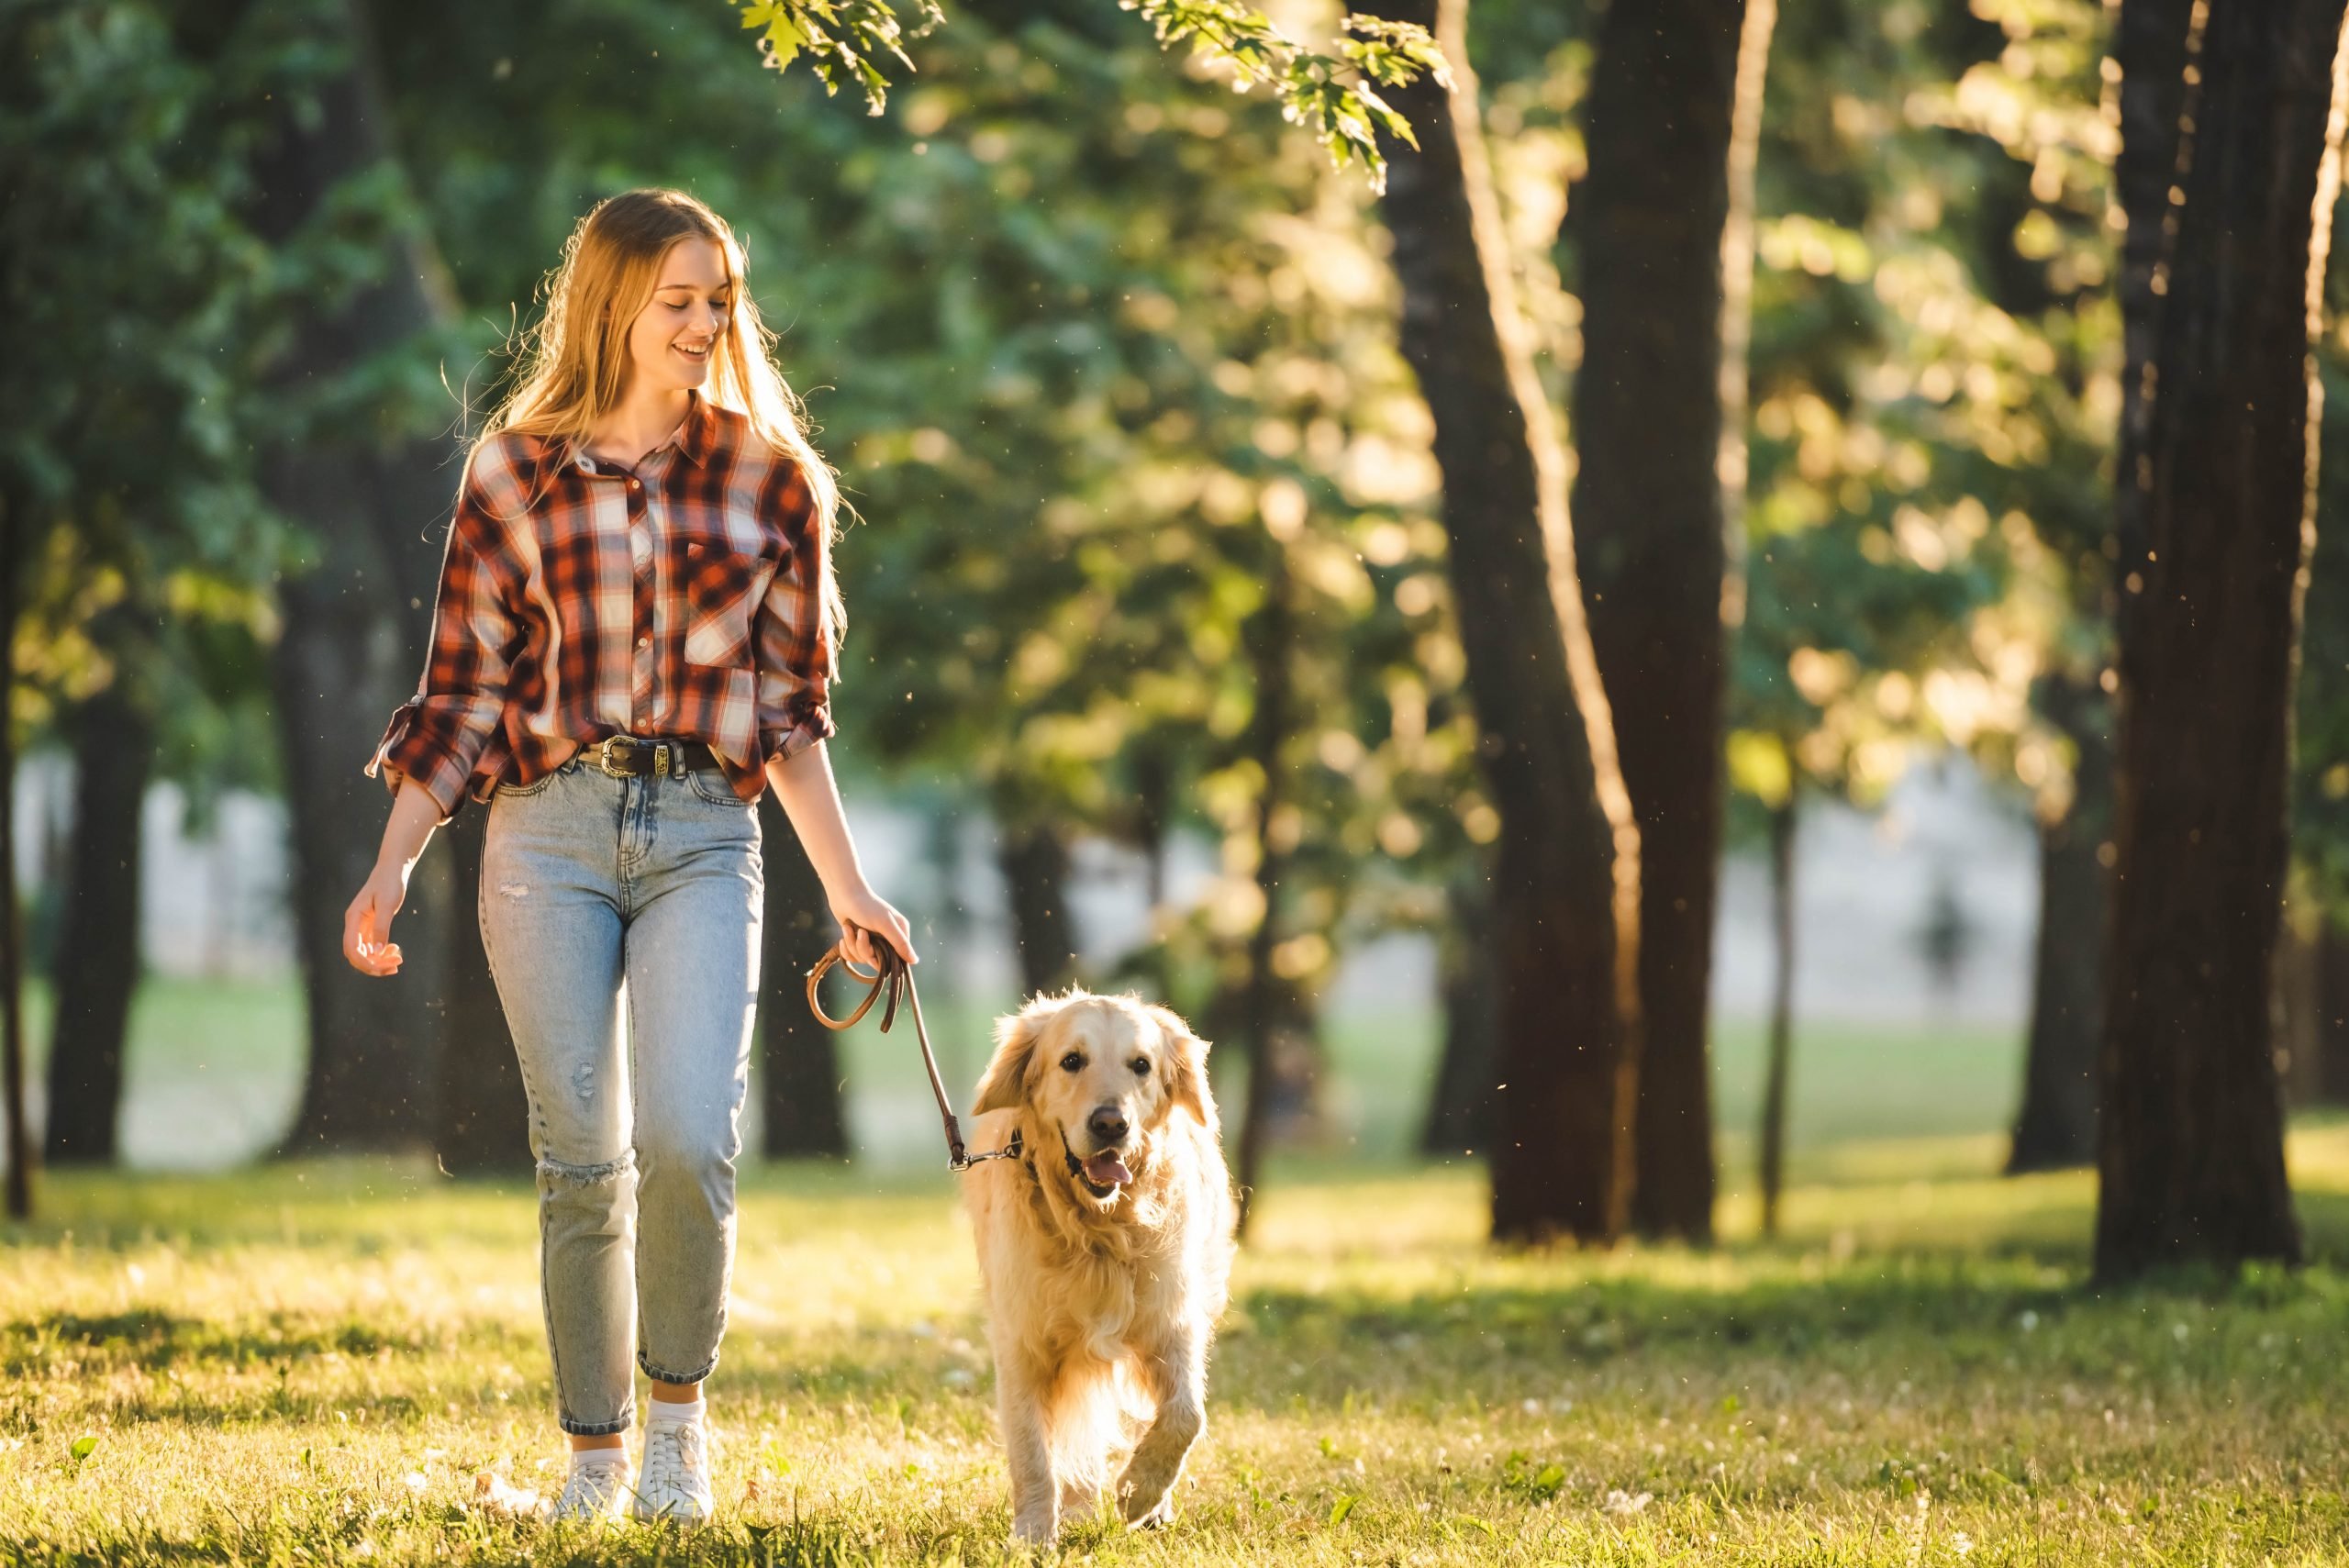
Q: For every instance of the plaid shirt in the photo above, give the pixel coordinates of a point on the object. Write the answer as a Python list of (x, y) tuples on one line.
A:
[(678, 600)]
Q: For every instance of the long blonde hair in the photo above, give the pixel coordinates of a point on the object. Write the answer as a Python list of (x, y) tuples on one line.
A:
[(574, 361)]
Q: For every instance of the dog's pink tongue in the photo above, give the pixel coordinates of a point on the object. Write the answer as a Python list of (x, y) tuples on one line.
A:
[(1106, 1170)]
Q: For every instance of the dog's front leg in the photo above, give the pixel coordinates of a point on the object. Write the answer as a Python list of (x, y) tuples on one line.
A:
[(1177, 1375), (1035, 1494)]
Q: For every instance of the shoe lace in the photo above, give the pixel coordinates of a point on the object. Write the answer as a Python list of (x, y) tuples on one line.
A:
[(672, 1458), (588, 1486)]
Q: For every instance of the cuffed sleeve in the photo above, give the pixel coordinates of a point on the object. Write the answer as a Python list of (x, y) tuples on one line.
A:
[(438, 736), (793, 638)]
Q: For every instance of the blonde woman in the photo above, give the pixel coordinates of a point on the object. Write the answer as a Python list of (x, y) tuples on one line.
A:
[(633, 638)]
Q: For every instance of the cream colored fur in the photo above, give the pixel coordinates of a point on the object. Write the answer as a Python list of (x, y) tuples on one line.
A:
[(1101, 1312)]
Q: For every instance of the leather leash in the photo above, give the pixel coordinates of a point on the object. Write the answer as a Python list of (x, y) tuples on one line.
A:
[(893, 978)]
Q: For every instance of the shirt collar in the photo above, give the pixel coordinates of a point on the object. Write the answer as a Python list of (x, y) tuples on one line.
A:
[(696, 437)]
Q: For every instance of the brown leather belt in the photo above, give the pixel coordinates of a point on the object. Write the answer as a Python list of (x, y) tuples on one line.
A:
[(629, 756)]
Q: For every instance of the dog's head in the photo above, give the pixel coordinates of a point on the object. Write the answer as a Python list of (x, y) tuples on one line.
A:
[(1102, 1075)]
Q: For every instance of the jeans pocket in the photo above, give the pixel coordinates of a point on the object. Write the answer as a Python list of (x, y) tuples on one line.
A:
[(710, 785), (540, 785)]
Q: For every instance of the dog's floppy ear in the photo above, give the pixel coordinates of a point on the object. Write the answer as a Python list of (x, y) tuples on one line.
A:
[(1003, 1086), (1187, 1068)]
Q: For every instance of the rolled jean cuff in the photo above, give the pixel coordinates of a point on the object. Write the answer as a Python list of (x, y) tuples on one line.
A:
[(661, 1374), (627, 1420)]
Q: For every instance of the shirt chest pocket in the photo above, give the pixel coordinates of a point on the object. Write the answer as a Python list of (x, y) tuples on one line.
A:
[(721, 587)]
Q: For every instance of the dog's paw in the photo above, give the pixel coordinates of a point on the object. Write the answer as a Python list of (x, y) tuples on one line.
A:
[(1157, 1516), (1033, 1530)]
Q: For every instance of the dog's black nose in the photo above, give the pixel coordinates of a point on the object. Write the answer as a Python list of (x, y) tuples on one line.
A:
[(1107, 1126)]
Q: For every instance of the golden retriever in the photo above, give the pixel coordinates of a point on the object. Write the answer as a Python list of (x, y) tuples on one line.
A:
[(1105, 1251)]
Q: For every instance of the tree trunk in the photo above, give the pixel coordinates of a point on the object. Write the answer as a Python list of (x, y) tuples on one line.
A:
[(1034, 859), (481, 1116), (1780, 1063), (96, 971), (1566, 889), (1649, 223), (1460, 1106), (2055, 1127), (2330, 1075), (373, 500), (12, 930), (799, 1088), (1271, 638), (2149, 44), (2191, 1145)]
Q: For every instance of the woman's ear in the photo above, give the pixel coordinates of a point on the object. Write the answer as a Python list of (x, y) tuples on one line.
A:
[(1003, 1085), (1187, 1068)]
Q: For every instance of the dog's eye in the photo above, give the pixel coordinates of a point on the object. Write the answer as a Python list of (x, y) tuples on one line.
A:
[(1072, 1063), (1140, 1064)]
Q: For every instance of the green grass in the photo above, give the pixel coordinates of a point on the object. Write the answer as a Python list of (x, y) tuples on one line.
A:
[(215, 1072), (312, 1365)]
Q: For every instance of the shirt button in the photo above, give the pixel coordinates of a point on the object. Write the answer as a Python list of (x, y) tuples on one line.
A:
[(645, 642), (633, 484)]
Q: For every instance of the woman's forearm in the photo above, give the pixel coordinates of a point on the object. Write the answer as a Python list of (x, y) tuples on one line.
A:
[(415, 814), (812, 800)]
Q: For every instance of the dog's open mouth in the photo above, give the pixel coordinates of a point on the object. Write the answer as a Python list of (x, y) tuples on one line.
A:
[(1105, 1171)]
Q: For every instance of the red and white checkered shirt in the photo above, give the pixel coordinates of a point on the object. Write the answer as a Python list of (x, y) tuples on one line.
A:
[(680, 599)]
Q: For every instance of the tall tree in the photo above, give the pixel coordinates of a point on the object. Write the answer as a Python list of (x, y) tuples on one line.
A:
[(1459, 1101), (1566, 873), (1034, 858), (1779, 1058), (2056, 1124), (1668, 88), (97, 952), (369, 490), (480, 1113), (18, 1129), (799, 1082), (2191, 1141)]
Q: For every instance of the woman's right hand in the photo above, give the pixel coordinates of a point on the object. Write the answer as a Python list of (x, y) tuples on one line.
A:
[(367, 924)]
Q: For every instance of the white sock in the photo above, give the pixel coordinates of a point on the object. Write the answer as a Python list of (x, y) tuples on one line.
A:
[(599, 1458), (679, 1413)]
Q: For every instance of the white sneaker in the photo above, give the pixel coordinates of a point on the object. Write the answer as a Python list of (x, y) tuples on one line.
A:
[(591, 1494), (674, 1482)]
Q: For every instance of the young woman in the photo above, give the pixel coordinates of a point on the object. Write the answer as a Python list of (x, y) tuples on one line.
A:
[(633, 638)]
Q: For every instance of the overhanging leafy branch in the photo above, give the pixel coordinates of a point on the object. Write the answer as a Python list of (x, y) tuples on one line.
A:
[(1335, 96)]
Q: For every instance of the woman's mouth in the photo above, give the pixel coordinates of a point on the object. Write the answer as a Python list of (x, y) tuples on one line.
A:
[(698, 354)]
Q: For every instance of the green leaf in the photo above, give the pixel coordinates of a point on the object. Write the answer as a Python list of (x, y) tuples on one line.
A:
[(1342, 1508), (83, 1447)]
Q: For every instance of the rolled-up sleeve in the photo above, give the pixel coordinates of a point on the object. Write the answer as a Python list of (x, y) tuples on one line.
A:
[(793, 637), (436, 736)]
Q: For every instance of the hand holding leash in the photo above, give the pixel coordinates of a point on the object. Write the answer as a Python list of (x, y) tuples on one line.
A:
[(868, 924)]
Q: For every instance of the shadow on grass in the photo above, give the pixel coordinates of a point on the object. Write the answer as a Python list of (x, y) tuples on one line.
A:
[(154, 1341)]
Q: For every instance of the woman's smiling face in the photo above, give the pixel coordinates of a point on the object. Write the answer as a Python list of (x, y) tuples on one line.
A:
[(672, 340)]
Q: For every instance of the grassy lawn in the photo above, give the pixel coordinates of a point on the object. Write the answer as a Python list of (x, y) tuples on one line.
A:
[(215, 1077), (313, 1363)]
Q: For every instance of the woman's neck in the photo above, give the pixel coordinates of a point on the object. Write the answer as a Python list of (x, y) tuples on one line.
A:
[(642, 422)]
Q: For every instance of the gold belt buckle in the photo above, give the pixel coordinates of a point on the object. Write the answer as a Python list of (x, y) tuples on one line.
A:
[(662, 758)]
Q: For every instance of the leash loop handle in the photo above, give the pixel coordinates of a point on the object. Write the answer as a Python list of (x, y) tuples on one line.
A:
[(890, 979)]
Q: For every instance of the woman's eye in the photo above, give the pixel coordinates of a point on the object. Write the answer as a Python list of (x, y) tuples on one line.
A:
[(1140, 1064), (1071, 1062)]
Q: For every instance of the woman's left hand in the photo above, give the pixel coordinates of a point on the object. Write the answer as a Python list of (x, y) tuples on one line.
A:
[(863, 915)]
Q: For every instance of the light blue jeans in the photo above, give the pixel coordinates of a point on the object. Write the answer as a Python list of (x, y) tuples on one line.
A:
[(628, 901)]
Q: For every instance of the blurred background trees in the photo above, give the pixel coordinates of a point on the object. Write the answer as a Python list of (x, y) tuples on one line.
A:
[(1725, 412)]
